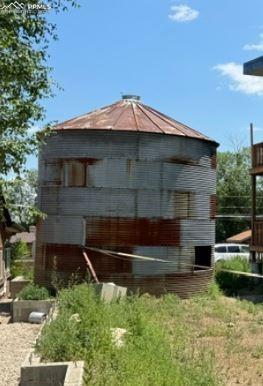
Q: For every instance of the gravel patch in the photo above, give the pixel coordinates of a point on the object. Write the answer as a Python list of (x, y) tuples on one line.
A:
[(15, 341)]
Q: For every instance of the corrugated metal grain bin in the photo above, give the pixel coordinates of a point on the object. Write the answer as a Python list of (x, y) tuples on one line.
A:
[(127, 178)]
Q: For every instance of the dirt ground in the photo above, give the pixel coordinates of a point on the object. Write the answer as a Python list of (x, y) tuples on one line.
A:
[(233, 332)]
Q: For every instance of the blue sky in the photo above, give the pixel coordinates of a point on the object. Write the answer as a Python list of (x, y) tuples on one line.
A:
[(182, 57)]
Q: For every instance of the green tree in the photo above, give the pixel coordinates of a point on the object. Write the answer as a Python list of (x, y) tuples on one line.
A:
[(20, 193), (25, 79), (234, 192)]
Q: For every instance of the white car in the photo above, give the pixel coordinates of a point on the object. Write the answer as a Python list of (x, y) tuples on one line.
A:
[(228, 251)]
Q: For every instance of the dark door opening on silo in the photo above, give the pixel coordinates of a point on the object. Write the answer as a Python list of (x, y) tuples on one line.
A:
[(203, 255)]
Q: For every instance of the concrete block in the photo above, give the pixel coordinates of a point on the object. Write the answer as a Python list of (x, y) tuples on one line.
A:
[(110, 291), (21, 309), (120, 291), (49, 374), (106, 291), (52, 374), (75, 374), (16, 285), (36, 373)]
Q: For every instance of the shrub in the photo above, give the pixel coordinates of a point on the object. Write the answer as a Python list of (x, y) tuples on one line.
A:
[(232, 283), (19, 250), (33, 292), (19, 268)]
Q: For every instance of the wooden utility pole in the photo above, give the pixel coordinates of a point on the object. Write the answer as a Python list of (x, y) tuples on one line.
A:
[(253, 192)]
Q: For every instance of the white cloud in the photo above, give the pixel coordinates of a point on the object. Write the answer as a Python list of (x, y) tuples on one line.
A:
[(183, 13), (239, 82), (255, 46)]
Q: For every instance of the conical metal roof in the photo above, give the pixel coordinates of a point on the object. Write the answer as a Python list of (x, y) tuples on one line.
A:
[(129, 114)]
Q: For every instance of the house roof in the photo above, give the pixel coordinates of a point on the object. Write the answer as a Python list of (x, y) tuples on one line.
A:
[(254, 67), (129, 114), (240, 237), (27, 237)]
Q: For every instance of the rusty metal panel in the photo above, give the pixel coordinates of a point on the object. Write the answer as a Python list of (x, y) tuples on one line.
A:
[(213, 161), (65, 258), (213, 206), (130, 115), (74, 173), (183, 284), (104, 264), (118, 232), (69, 260)]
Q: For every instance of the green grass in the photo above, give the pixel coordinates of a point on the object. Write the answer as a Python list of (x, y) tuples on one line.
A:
[(203, 341), (146, 358)]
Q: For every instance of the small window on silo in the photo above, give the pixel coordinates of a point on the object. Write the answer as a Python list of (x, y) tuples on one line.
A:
[(182, 204), (52, 173), (74, 173)]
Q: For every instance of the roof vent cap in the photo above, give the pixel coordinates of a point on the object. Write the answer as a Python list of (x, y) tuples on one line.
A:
[(131, 97)]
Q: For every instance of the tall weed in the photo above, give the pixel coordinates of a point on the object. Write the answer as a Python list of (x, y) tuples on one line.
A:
[(82, 330)]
